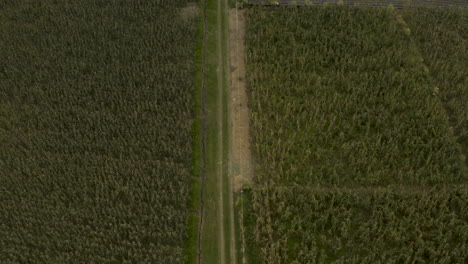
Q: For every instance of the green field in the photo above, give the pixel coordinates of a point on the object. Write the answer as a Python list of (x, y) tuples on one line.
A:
[(345, 103), (116, 118), (442, 37), (96, 134), (364, 226)]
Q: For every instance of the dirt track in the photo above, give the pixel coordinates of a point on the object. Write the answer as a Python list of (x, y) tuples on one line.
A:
[(220, 115), (240, 156)]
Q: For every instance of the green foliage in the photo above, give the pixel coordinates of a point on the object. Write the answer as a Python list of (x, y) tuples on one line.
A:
[(363, 226), (339, 97), (355, 152), (96, 140), (442, 38)]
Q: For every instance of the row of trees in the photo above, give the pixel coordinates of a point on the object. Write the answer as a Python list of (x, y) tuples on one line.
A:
[(95, 130)]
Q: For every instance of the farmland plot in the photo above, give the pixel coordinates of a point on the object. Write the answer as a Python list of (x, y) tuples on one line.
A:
[(339, 97), (95, 130), (442, 37), (357, 160), (364, 226)]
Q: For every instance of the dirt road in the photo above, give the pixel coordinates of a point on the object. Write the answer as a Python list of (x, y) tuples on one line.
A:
[(220, 116), (218, 224), (240, 156)]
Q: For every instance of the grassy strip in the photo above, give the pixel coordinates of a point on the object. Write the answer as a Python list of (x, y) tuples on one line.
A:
[(211, 240), (228, 188), (238, 222), (210, 230), (251, 253), (192, 248)]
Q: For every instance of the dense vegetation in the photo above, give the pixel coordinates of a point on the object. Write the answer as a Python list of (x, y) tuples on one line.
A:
[(364, 226), (442, 37), (342, 104), (338, 96), (95, 130)]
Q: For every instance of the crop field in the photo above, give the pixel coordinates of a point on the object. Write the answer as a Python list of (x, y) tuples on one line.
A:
[(358, 124), (442, 38), (364, 226), (234, 131), (96, 111), (348, 102)]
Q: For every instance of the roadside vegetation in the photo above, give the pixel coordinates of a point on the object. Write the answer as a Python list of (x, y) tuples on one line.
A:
[(96, 111)]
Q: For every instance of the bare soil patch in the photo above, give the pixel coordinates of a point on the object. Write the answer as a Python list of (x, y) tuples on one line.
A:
[(241, 158), (189, 12)]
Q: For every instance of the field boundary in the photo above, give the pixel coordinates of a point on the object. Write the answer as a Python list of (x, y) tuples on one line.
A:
[(203, 135), (399, 4), (228, 143), (196, 204), (216, 232), (359, 189), (241, 159), (220, 130)]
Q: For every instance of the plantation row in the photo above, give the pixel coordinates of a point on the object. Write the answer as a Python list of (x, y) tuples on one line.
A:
[(96, 101), (344, 103)]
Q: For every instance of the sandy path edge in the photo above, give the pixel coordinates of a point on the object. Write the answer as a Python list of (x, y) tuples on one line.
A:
[(240, 169)]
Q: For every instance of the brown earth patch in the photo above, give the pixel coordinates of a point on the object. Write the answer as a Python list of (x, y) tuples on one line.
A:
[(241, 158), (189, 12)]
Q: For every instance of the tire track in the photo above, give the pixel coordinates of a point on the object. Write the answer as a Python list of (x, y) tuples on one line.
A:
[(240, 155), (229, 86), (203, 135), (220, 134)]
